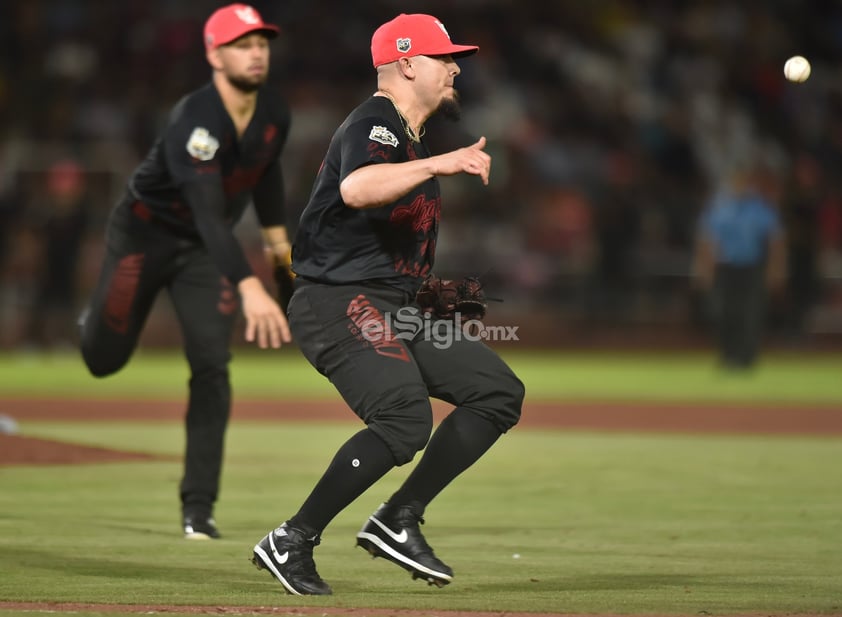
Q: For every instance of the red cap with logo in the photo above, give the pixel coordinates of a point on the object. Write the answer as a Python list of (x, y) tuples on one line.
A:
[(233, 21), (414, 35)]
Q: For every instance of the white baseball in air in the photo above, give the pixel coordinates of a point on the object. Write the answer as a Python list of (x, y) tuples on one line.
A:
[(797, 69)]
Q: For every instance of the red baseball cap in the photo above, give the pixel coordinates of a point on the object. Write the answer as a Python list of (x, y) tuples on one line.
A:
[(414, 35), (233, 21)]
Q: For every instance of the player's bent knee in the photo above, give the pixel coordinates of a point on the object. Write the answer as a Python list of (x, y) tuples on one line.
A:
[(503, 402), (517, 392), (100, 366), (102, 370), (405, 425)]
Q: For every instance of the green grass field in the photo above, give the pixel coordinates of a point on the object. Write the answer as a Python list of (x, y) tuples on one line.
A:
[(550, 521), (780, 378)]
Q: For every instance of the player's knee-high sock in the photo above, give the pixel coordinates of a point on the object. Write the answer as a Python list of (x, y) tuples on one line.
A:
[(358, 464), (461, 439)]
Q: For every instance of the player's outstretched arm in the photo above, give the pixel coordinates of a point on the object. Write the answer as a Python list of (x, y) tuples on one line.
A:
[(374, 186)]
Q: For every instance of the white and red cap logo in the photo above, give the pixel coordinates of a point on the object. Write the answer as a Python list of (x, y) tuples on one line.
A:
[(233, 21), (414, 35)]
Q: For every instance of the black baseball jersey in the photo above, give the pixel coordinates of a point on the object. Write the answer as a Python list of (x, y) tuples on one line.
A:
[(198, 177), (394, 244)]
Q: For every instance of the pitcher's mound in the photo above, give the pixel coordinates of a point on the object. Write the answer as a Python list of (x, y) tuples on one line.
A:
[(20, 450)]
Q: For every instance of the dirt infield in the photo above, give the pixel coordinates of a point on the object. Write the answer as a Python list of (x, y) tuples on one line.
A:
[(280, 611), (639, 417), (22, 450)]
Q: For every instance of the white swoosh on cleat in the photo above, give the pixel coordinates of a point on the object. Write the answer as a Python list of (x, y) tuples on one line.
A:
[(281, 559), (397, 537)]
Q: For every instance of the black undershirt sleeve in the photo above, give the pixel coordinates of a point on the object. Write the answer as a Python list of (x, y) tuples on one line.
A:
[(207, 204), (268, 196)]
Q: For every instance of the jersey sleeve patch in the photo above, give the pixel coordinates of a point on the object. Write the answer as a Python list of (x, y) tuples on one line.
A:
[(202, 145), (383, 135)]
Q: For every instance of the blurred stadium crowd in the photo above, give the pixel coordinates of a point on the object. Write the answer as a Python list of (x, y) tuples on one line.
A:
[(610, 123)]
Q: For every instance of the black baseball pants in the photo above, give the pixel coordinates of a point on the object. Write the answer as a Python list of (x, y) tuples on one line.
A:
[(740, 313), (142, 259), (387, 360)]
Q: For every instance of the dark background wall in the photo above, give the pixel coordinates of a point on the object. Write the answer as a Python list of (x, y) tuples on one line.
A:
[(610, 124)]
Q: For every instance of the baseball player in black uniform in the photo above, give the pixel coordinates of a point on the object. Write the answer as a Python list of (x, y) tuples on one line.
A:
[(365, 242), (173, 230)]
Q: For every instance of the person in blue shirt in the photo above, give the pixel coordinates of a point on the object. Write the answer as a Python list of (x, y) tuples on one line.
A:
[(739, 259)]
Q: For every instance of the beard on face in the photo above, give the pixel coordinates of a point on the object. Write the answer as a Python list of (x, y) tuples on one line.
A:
[(450, 108), (245, 84)]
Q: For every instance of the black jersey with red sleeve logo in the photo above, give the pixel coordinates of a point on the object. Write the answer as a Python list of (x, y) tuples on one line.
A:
[(199, 177), (394, 244)]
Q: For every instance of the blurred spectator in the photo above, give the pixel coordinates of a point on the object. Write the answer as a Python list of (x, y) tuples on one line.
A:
[(740, 255), (58, 220), (8, 215), (560, 226), (800, 208), (617, 227)]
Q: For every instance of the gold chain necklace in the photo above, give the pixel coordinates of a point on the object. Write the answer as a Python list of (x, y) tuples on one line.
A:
[(409, 132)]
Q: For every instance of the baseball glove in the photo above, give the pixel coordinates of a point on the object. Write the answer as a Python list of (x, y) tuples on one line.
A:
[(445, 298)]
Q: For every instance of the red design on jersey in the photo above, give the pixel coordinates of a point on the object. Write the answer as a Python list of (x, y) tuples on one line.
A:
[(227, 304), (422, 214), (269, 133), (181, 211), (121, 292), (141, 211), (370, 327), (376, 151), (205, 169), (241, 180), (412, 268)]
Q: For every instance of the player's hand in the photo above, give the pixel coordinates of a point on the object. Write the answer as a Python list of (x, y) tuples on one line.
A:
[(265, 322), (471, 160)]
